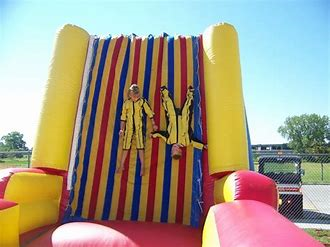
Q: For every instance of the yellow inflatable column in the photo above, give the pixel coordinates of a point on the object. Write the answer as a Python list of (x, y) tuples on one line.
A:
[(9, 217), (226, 128), (56, 125)]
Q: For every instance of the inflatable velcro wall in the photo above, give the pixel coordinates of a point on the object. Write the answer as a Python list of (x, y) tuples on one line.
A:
[(80, 121)]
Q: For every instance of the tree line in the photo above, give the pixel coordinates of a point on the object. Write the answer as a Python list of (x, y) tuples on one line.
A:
[(13, 141), (307, 133)]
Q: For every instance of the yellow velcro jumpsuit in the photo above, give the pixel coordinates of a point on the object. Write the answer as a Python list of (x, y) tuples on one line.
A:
[(132, 114), (178, 121)]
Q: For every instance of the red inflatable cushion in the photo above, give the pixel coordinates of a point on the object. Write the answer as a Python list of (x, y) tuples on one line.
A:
[(254, 224), (89, 234), (119, 233)]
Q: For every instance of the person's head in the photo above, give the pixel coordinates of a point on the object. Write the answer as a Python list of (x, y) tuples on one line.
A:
[(134, 92), (176, 151)]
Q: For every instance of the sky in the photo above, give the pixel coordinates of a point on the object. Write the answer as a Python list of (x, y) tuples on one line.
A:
[(284, 51)]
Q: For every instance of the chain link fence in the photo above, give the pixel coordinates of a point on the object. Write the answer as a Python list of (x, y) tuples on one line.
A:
[(15, 159), (303, 182)]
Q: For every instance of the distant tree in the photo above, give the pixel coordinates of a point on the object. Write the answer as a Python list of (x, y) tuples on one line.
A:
[(307, 133), (2, 148), (13, 141)]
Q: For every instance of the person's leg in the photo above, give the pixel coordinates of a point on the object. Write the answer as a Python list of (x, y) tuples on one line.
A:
[(127, 141), (122, 161), (187, 106), (141, 156), (140, 148), (186, 118), (171, 117), (168, 102)]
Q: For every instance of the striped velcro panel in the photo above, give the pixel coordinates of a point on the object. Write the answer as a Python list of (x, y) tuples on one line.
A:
[(170, 190)]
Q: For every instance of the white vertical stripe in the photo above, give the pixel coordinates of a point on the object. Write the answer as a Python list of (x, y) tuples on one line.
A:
[(88, 64)]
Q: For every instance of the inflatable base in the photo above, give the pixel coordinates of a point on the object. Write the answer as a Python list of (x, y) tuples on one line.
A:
[(119, 233)]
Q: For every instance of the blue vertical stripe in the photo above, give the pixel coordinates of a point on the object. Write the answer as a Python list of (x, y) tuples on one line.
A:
[(170, 61), (146, 86), (168, 158), (90, 131), (115, 137), (197, 176), (83, 114), (166, 184), (251, 164)]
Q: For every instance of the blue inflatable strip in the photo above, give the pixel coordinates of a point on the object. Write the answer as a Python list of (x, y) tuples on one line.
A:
[(115, 137), (170, 61), (251, 163), (146, 87), (90, 131), (168, 158), (197, 176), (68, 211)]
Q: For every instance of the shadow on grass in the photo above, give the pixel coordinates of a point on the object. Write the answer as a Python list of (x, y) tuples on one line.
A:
[(310, 216)]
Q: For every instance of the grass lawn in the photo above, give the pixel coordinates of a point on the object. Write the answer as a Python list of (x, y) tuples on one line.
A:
[(322, 236), (313, 173), (14, 162)]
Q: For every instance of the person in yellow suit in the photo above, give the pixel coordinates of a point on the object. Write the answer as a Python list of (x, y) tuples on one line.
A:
[(131, 125), (178, 132)]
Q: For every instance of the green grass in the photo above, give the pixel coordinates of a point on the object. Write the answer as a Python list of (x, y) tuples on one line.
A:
[(276, 167), (313, 173), (322, 236), (14, 162)]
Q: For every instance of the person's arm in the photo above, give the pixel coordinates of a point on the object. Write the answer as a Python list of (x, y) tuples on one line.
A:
[(154, 126), (123, 118), (198, 144), (150, 114), (160, 134), (122, 127)]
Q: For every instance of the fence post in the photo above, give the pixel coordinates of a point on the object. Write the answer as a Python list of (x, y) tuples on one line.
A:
[(322, 171), (29, 159)]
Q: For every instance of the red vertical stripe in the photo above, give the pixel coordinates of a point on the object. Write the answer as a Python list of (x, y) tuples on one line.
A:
[(123, 189), (208, 181), (136, 60), (155, 141), (124, 177), (183, 159), (103, 131)]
